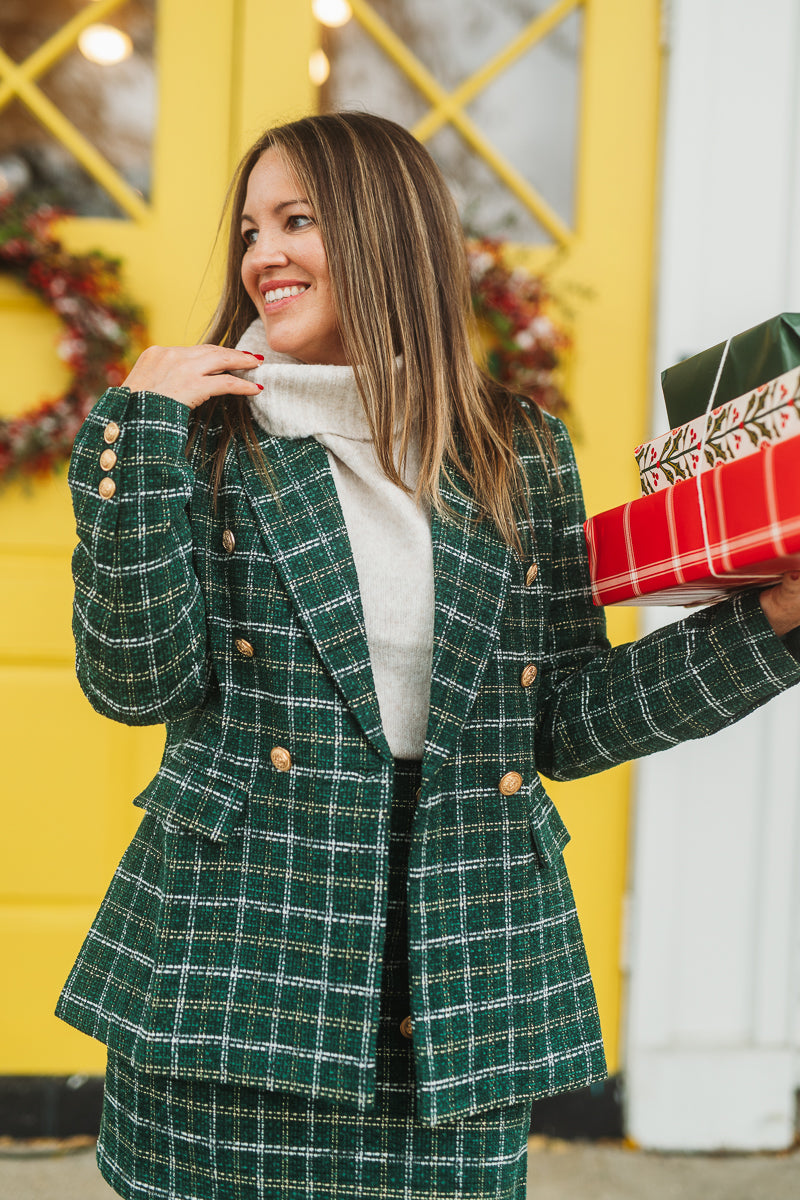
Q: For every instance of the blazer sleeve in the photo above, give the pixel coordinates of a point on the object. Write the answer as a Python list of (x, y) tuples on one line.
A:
[(138, 616), (600, 706)]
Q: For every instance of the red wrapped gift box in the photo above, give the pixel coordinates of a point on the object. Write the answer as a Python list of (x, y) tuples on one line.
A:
[(654, 551)]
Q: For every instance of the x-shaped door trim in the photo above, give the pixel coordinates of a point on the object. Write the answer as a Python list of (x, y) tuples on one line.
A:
[(448, 107), (18, 80)]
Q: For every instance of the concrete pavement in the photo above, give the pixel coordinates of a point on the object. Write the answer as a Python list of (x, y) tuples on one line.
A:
[(597, 1171), (556, 1171)]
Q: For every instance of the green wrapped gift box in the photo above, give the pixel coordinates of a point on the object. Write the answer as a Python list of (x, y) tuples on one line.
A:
[(758, 354)]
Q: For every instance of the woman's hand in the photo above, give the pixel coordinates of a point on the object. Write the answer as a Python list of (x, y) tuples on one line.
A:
[(193, 374), (781, 603)]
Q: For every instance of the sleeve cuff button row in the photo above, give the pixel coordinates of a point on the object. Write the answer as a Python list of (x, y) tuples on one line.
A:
[(108, 459)]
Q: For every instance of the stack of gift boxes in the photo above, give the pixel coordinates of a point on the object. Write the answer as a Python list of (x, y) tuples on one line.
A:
[(720, 503)]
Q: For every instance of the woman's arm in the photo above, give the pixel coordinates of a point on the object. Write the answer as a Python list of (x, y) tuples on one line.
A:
[(601, 706), (139, 617)]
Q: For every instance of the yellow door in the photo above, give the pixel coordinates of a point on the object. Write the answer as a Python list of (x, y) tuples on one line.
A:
[(224, 71), (603, 253)]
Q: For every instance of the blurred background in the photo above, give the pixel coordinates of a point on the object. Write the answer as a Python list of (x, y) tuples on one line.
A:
[(640, 157)]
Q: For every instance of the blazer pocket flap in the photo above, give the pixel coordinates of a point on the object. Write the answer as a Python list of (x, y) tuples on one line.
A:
[(196, 798), (549, 833)]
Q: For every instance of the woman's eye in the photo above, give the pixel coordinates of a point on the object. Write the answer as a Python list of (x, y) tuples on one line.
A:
[(300, 221), (249, 236)]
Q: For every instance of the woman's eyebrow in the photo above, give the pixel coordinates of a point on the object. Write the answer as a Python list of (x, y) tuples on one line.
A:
[(278, 208)]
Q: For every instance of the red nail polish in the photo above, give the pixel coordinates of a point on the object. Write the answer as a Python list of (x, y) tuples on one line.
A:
[(260, 357), (260, 387)]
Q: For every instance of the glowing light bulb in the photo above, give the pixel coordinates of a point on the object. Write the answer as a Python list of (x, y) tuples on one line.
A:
[(319, 68), (105, 45), (332, 13)]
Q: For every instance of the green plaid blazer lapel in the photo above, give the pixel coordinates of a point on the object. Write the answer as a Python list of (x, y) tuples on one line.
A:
[(471, 568), (301, 521)]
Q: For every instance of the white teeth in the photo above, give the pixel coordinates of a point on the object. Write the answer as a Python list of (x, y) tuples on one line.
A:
[(279, 293)]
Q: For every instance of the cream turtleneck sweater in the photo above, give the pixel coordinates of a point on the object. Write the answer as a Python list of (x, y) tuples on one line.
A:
[(389, 532)]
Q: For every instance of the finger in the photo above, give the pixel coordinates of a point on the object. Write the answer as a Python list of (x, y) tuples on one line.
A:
[(223, 385), (236, 386), (226, 358), (209, 386)]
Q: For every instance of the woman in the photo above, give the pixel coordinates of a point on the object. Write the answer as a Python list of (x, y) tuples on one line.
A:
[(341, 954)]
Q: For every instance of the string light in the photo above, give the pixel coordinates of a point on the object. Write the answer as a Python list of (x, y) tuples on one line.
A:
[(319, 67), (105, 45), (332, 13)]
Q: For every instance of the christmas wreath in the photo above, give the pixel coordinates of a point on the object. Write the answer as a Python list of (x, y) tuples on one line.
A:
[(525, 347), (101, 328)]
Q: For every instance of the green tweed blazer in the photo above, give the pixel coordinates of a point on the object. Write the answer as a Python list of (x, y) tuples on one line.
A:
[(241, 937)]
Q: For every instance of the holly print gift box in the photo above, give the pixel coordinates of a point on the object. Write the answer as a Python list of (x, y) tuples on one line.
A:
[(742, 426)]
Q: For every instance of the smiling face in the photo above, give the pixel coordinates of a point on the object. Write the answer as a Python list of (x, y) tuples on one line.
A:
[(285, 268)]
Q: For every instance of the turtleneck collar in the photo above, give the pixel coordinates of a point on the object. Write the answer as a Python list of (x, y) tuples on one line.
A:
[(303, 400)]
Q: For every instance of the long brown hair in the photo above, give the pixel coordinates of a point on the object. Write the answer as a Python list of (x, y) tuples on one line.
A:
[(400, 285)]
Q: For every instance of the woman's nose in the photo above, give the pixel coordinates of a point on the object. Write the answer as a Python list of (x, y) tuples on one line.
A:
[(268, 251)]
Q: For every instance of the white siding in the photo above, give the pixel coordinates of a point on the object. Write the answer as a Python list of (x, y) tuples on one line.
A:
[(713, 1009)]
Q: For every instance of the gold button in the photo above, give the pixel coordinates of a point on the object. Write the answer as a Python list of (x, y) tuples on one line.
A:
[(510, 783), (108, 459), (528, 675), (405, 1027), (417, 794), (244, 648), (228, 541), (106, 487), (281, 758), (533, 571), (111, 432)]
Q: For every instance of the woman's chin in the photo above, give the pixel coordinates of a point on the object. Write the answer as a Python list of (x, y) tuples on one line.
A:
[(278, 344), (312, 352)]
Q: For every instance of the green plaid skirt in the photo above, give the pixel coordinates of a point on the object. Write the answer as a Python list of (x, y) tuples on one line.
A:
[(163, 1138)]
